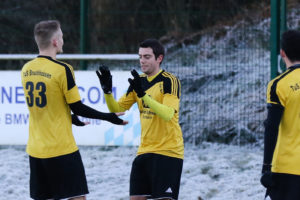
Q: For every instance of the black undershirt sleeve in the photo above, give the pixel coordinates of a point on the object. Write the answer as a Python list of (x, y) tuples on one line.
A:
[(76, 121), (272, 122), (78, 108)]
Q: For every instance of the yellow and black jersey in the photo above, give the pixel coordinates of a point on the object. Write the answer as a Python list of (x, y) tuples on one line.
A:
[(158, 135), (49, 87), (284, 90)]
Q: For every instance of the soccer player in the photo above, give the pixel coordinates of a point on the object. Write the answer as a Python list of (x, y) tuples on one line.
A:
[(156, 170), (56, 168), (281, 165)]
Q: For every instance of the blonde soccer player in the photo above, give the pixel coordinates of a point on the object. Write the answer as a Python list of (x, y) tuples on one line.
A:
[(56, 168)]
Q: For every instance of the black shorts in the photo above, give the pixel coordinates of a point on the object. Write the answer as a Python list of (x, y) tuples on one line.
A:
[(155, 176), (58, 177), (286, 187)]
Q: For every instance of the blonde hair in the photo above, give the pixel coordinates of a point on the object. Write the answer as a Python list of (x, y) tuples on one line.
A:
[(43, 32)]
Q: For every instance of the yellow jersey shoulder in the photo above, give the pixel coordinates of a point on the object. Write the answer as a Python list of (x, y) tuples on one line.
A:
[(280, 87)]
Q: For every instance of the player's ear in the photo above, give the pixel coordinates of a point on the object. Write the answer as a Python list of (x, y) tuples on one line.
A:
[(54, 42), (160, 58), (282, 53)]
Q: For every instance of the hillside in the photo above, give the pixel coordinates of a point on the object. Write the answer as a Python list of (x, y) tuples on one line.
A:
[(224, 80)]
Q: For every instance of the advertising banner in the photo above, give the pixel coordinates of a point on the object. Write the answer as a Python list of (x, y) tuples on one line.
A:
[(14, 116)]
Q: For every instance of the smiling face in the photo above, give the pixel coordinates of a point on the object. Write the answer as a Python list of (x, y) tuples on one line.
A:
[(149, 64)]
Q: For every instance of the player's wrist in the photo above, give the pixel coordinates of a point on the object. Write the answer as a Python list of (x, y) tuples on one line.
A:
[(107, 91), (141, 94)]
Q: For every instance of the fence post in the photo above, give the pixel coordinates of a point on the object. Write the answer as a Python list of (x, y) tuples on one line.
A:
[(283, 28), (282, 16), (275, 37), (278, 26)]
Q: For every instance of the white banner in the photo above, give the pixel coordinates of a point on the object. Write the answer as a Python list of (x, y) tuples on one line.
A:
[(14, 117)]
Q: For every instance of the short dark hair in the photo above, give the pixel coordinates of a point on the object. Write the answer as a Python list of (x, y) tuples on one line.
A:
[(155, 45), (43, 31), (290, 44)]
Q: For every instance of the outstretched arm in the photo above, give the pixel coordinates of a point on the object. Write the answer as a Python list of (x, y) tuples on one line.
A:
[(78, 108), (112, 104)]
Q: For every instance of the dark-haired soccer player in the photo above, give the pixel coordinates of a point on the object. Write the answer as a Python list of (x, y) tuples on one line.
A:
[(156, 171), (281, 166), (56, 168)]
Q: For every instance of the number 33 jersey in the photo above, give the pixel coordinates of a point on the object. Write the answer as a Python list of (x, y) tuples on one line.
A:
[(49, 86)]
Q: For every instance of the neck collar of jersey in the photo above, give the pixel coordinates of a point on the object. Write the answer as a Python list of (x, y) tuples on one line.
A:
[(153, 77), (294, 66), (48, 57)]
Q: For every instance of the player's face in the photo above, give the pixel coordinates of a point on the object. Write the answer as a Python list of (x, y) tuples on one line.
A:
[(149, 65), (59, 42)]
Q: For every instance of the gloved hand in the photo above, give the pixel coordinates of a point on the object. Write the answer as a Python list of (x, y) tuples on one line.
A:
[(267, 179), (136, 84), (114, 118), (105, 79), (77, 122)]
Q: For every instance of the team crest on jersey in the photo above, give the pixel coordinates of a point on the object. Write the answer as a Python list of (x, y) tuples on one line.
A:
[(295, 87)]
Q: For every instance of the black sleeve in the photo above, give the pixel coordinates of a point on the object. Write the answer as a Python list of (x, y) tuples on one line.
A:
[(78, 108), (76, 121), (272, 122)]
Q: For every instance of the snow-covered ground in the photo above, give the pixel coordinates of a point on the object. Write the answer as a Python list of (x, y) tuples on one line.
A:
[(210, 172)]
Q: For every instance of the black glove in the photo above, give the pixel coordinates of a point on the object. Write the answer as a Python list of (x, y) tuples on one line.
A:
[(267, 179), (136, 84), (76, 121), (105, 79)]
